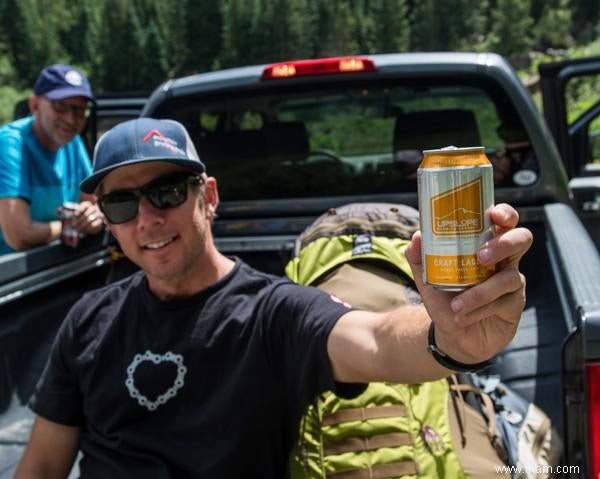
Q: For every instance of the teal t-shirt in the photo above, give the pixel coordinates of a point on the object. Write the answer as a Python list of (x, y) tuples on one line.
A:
[(45, 179)]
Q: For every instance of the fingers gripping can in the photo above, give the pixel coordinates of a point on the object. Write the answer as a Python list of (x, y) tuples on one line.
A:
[(456, 193), (69, 235)]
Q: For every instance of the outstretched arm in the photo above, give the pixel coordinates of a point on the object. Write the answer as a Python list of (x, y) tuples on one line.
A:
[(470, 327), (51, 451)]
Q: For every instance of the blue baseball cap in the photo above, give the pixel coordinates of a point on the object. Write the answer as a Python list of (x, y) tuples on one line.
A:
[(63, 81), (142, 140)]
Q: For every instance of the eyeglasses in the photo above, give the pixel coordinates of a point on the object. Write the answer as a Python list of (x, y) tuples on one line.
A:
[(62, 107), (163, 192)]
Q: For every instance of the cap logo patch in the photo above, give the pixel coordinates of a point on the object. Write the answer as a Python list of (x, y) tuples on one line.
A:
[(74, 78), (163, 141)]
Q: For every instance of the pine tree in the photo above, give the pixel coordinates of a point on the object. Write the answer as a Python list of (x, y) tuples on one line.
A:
[(75, 40), (13, 34), (467, 25), (585, 20), (449, 25), (118, 46), (26, 37), (264, 27), (111, 39), (511, 33), (390, 24), (552, 28), (291, 33), (173, 25), (154, 67), (92, 43), (235, 33), (201, 24), (337, 29), (425, 26), (8, 75)]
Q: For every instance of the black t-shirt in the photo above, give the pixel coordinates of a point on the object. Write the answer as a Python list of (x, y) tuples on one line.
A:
[(210, 386)]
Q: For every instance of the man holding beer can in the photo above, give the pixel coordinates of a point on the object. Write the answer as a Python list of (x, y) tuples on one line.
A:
[(221, 330), (43, 161)]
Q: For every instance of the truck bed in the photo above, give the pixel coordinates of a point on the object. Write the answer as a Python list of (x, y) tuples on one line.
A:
[(285, 149)]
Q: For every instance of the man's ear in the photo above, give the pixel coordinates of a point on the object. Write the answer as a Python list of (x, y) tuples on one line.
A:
[(33, 103), (211, 194), (111, 229)]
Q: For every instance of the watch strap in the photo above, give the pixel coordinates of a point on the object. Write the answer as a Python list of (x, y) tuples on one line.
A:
[(447, 361)]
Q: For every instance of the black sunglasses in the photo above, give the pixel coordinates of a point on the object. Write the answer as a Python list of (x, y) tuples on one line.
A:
[(163, 192)]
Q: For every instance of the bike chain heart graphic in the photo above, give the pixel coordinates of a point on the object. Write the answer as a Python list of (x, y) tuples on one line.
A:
[(170, 357)]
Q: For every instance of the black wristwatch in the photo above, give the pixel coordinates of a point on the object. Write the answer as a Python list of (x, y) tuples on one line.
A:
[(448, 362)]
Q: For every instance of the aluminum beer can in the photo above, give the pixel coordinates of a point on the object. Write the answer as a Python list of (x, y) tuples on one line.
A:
[(456, 193), (69, 235)]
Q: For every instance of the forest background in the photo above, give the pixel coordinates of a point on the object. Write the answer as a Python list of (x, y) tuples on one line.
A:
[(134, 45)]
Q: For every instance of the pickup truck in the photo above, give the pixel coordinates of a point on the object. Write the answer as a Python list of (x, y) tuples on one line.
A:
[(288, 141)]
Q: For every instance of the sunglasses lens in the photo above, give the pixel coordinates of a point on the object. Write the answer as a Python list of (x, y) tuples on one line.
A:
[(167, 192), (119, 207)]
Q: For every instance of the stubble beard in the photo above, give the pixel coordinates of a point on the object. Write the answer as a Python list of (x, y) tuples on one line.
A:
[(182, 272)]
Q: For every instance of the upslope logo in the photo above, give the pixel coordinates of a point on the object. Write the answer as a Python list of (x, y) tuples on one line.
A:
[(458, 211)]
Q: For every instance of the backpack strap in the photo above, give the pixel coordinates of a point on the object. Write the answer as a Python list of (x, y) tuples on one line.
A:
[(488, 405), (485, 407), (363, 414), (378, 471), (313, 459), (354, 444), (540, 436)]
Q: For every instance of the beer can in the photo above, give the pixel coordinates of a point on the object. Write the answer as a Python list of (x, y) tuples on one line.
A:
[(456, 193), (68, 235)]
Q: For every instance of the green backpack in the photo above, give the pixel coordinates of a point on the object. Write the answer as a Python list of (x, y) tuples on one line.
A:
[(391, 430)]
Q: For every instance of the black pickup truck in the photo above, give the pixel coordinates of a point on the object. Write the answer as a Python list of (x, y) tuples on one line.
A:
[(288, 141)]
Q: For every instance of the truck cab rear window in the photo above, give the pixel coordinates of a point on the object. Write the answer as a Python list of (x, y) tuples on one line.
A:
[(361, 139)]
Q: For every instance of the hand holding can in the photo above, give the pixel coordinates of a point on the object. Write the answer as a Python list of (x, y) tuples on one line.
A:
[(456, 193), (69, 235)]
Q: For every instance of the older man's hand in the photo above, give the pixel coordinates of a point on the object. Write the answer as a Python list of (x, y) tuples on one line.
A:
[(88, 218)]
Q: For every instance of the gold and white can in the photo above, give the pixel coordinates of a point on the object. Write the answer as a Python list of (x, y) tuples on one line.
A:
[(456, 193)]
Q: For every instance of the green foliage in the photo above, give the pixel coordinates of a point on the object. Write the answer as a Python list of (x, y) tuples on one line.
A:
[(9, 95), (511, 33), (173, 25), (337, 28), (154, 68), (236, 26), (291, 33), (449, 25), (134, 47), (586, 19), (8, 75), (389, 26), (199, 37), (552, 28), (137, 44)]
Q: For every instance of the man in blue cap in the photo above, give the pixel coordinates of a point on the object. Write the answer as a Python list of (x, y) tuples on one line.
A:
[(43, 160), (199, 365)]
